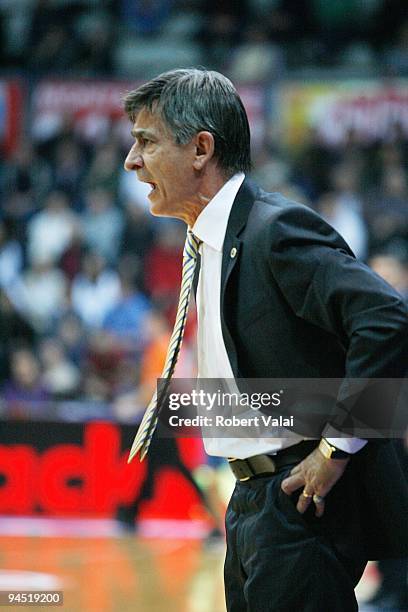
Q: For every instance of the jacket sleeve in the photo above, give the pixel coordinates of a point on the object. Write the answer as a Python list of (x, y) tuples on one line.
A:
[(325, 285)]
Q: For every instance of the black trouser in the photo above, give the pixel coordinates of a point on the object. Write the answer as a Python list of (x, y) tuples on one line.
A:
[(281, 561)]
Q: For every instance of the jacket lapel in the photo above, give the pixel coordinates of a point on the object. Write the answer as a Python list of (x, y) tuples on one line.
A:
[(231, 252)]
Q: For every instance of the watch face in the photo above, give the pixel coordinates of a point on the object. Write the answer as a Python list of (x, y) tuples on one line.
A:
[(331, 452), (325, 448)]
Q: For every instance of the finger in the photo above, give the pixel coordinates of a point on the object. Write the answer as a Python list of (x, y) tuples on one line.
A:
[(292, 483), (320, 509), (296, 469), (304, 501), (320, 504)]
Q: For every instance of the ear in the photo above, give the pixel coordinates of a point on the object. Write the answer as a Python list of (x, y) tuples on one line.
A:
[(204, 143)]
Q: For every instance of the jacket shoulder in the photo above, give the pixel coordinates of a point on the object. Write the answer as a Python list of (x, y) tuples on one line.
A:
[(281, 221)]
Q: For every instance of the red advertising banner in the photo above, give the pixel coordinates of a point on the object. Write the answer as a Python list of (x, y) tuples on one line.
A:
[(11, 115), (72, 469)]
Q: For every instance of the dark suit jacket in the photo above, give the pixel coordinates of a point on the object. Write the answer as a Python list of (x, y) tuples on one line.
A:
[(296, 304)]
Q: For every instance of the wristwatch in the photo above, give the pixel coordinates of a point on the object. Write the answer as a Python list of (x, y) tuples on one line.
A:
[(331, 452)]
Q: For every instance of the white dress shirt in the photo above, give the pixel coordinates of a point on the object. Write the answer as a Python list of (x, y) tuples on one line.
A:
[(213, 361)]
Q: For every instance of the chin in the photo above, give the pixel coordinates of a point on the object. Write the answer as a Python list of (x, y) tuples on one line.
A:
[(154, 206), (158, 211)]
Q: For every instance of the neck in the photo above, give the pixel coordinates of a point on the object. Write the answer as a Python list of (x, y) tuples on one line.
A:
[(204, 195)]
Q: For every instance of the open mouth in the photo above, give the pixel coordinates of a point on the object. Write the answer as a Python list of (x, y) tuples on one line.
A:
[(153, 187)]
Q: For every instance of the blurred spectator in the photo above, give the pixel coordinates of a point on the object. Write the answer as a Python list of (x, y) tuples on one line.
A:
[(44, 14), (24, 182), (15, 22), (15, 331), (388, 17), (103, 169), (387, 210), (11, 257), (103, 365), (102, 224), (130, 403), (312, 165), (272, 172), (68, 167), (343, 208), (163, 263), (384, 156), (71, 258), (51, 231), (344, 179), (158, 333), (51, 132), (61, 378), (72, 334), (26, 174), (396, 57), (256, 59), (24, 390), (392, 269), (145, 16), (96, 389), (55, 52), (125, 321), (42, 294), (51, 44), (285, 20), (95, 290), (127, 375), (346, 220), (95, 37), (336, 29), (223, 23), (138, 233)]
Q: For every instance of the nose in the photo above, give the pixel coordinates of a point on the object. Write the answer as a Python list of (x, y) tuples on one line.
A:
[(133, 160)]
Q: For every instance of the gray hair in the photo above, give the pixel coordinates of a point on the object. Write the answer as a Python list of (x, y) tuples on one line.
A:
[(194, 100)]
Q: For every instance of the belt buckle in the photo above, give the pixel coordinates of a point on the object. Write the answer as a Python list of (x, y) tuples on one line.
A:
[(231, 460), (244, 479)]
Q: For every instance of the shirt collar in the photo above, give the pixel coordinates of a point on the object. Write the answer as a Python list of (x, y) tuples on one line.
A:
[(211, 224)]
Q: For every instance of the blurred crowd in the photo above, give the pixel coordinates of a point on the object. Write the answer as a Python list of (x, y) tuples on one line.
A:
[(88, 279), (251, 39)]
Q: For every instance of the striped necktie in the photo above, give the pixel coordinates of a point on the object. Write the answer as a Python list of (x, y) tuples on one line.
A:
[(148, 425)]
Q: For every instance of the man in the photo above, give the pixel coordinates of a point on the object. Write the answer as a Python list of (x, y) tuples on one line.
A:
[(279, 295)]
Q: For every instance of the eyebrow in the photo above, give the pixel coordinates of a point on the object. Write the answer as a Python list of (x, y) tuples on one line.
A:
[(141, 132)]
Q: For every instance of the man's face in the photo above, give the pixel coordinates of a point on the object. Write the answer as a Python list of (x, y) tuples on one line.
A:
[(165, 165)]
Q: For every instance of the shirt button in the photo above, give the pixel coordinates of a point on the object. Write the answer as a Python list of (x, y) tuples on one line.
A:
[(233, 252)]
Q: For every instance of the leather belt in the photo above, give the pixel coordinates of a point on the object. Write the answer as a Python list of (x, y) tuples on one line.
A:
[(263, 465)]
